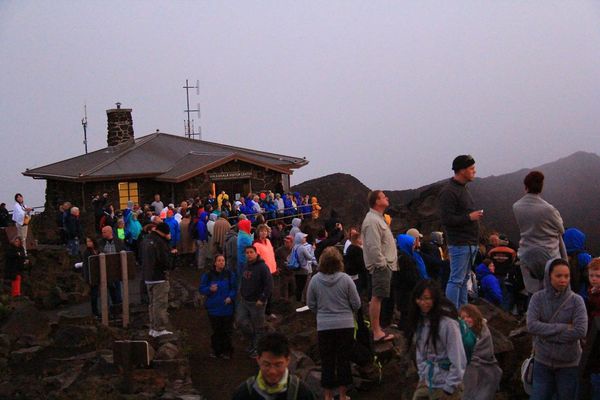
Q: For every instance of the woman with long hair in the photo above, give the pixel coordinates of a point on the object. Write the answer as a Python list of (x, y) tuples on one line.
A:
[(482, 376), (219, 287), (332, 295), (433, 329), (558, 320)]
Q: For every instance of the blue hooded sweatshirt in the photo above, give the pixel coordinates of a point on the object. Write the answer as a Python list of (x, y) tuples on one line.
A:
[(226, 287), (575, 243), (405, 244), (175, 231), (490, 287), (201, 227)]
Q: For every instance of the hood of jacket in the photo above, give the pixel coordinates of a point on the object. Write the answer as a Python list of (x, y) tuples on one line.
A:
[(298, 238), (574, 240), (329, 279), (553, 296), (204, 216), (213, 217), (405, 243), (296, 222)]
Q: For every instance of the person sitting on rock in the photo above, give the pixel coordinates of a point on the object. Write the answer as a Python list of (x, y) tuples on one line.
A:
[(482, 376), (274, 381), (489, 287)]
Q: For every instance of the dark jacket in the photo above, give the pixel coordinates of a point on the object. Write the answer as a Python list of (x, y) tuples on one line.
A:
[(230, 250), (87, 253), (119, 244), (215, 302), (354, 263), (455, 205), (244, 393), (73, 227), (281, 256), (4, 217), (156, 259), (15, 262), (334, 238), (257, 282)]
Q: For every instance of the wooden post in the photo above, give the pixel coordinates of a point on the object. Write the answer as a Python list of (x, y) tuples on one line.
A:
[(103, 289), (125, 279)]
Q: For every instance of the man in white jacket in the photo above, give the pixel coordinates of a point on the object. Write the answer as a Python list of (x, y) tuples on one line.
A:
[(20, 211)]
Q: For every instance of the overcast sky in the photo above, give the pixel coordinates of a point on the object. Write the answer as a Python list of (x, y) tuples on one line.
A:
[(389, 92)]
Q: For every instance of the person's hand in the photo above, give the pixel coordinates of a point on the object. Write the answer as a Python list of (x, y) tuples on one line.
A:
[(476, 215), (339, 226), (214, 287), (228, 301), (173, 251), (259, 303)]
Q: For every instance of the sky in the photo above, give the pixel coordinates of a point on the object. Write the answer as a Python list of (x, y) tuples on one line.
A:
[(388, 91)]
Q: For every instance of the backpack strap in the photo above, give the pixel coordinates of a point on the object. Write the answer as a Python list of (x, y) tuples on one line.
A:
[(249, 383), (293, 387)]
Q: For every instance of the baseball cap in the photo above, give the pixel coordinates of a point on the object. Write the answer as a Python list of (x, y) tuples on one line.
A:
[(414, 233)]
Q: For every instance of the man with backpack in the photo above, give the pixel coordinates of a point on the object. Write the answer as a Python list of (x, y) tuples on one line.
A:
[(274, 381)]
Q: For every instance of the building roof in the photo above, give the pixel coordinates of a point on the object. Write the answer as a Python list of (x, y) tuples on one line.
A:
[(161, 156)]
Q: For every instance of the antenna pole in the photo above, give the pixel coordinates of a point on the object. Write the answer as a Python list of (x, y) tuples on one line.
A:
[(84, 124), (190, 131)]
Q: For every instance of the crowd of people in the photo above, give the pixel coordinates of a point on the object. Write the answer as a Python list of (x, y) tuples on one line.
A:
[(255, 250)]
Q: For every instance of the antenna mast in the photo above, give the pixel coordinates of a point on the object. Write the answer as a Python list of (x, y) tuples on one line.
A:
[(84, 124), (190, 130)]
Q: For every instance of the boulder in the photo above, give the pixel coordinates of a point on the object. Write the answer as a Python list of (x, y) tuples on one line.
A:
[(167, 351), (502, 344), (75, 336), (27, 320), (64, 380), (24, 355), (4, 345)]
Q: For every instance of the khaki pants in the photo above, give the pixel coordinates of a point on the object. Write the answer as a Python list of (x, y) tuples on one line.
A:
[(22, 233), (158, 303), (423, 393)]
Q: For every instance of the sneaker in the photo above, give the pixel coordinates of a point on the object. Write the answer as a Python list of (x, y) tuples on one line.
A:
[(212, 355), (162, 333), (272, 316), (302, 309), (152, 333)]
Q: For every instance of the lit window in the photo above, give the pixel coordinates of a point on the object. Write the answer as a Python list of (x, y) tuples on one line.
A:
[(128, 191)]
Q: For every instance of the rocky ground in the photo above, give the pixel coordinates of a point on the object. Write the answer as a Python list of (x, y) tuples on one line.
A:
[(52, 348)]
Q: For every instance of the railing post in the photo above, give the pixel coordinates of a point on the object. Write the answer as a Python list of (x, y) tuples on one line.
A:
[(125, 279), (103, 289)]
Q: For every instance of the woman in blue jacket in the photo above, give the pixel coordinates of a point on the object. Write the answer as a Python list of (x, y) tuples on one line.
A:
[(218, 285)]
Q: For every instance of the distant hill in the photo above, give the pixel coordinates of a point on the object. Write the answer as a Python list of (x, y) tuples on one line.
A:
[(572, 185)]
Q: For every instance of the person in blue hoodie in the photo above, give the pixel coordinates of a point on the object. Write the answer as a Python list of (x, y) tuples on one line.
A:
[(558, 321), (201, 240), (406, 245), (578, 259), (219, 287), (174, 227), (489, 285)]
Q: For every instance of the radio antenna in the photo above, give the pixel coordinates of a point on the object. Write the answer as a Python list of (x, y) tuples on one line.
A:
[(190, 131), (84, 124)]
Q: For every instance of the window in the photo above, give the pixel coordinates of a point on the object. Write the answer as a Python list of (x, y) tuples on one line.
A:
[(128, 191)]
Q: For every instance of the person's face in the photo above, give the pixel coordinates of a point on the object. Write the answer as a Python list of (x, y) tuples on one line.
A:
[(594, 278), (262, 234), (425, 301), (220, 263), (20, 199), (289, 244), (156, 197), (88, 243), (382, 201), (417, 243), (272, 367), (467, 318), (560, 277), (468, 174), (17, 242), (251, 255), (107, 232), (492, 268), (494, 240)]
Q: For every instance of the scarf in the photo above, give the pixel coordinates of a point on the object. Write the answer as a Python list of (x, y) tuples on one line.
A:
[(264, 387)]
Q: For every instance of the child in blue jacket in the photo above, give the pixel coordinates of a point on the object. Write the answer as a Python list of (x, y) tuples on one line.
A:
[(219, 287)]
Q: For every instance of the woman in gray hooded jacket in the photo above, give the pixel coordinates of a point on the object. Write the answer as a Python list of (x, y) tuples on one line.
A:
[(558, 320)]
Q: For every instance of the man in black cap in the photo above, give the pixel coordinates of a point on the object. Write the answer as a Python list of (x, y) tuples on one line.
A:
[(156, 261), (461, 223)]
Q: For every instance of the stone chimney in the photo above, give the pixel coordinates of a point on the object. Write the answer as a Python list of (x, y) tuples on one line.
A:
[(120, 126)]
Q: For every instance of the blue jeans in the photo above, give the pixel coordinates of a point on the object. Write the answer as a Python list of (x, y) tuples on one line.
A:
[(554, 383), (461, 260)]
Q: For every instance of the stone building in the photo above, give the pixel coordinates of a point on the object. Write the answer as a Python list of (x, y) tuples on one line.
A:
[(173, 166)]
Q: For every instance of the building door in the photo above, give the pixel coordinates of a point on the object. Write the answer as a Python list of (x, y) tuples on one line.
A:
[(235, 187)]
